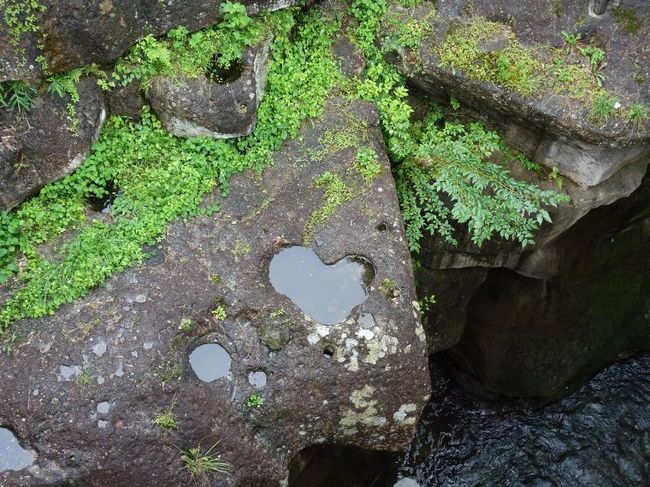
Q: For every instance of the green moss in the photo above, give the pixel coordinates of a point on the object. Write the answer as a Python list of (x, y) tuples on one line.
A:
[(154, 191), (513, 67), (22, 18), (558, 8), (337, 192), (626, 18), (367, 165)]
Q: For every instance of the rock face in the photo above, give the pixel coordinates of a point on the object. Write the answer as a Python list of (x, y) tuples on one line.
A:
[(43, 145), (202, 107), (88, 381), (534, 322), (83, 32)]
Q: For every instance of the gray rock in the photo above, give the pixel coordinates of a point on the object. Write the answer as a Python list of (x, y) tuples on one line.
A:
[(84, 32), (202, 107), (361, 389), (39, 147)]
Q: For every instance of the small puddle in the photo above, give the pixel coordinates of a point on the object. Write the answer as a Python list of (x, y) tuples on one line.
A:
[(102, 204), (326, 293), (257, 379), (12, 455), (210, 362)]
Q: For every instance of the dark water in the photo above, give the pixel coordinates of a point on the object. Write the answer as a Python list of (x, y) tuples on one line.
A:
[(598, 436), (210, 362), (12, 455), (325, 293)]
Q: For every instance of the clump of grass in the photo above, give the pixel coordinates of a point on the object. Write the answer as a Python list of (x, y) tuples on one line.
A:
[(200, 464), (603, 107), (166, 419)]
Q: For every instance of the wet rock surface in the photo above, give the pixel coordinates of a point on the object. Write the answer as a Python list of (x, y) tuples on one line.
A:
[(600, 435), (126, 347), (84, 32), (209, 108), (46, 143)]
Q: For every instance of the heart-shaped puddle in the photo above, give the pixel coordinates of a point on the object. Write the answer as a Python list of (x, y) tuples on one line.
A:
[(325, 293)]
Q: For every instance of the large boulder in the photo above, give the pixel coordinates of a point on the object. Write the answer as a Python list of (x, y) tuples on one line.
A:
[(81, 32), (213, 108), (47, 142), (83, 388), (534, 322)]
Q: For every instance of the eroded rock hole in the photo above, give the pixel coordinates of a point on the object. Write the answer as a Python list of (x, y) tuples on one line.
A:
[(326, 293), (342, 466), (328, 353), (102, 203), (224, 75)]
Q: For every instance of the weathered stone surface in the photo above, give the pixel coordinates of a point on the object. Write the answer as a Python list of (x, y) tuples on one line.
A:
[(126, 101), (367, 394), (627, 73), (81, 32), (202, 107), (40, 146)]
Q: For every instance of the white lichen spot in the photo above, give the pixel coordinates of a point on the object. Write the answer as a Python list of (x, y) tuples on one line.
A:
[(402, 414), (364, 334), (364, 412), (313, 338), (419, 331)]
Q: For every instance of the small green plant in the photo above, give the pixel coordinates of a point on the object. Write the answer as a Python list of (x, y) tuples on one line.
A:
[(558, 8), (65, 84), (17, 94), (241, 248), (571, 40), (255, 401), (596, 61), (219, 313), (426, 303), (22, 18), (555, 177), (454, 103), (167, 419), (9, 341), (9, 244), (637, 113), (83, 379), (367, 164), (200, 464), (604, 107), (215, 278), (187, 325), (388, 288)]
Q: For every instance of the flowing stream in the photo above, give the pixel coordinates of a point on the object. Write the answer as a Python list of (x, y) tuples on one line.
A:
[(598, 436)]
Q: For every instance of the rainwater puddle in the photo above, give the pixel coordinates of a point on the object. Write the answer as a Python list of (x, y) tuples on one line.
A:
[(257, 379), (12, 455), (325, 293), (210, 362)]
